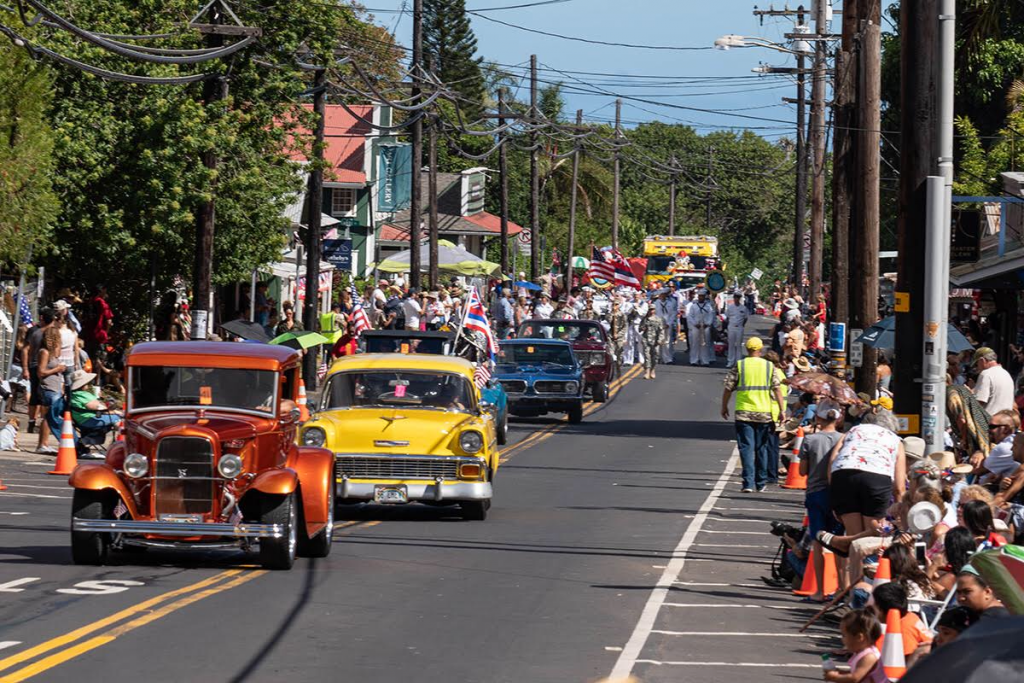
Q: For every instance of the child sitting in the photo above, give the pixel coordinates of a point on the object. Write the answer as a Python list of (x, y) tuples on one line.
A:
[(860, 628), (916, 636)]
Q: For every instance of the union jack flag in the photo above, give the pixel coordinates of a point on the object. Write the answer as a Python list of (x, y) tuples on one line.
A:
[(360, 321), (482, 374), (476, 319), (26, 312), (600, 267)]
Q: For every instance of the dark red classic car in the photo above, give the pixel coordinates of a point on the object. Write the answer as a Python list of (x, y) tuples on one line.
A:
[(589, 343), (209, 460)]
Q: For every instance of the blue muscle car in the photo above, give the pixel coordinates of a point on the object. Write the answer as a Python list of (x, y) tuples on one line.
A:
[(541, 376)]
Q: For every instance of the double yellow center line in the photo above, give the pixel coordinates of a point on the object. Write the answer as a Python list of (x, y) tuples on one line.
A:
[(547, 432), (71, 644)]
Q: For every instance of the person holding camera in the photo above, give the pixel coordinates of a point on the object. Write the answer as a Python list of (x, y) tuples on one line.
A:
[(814, 460)]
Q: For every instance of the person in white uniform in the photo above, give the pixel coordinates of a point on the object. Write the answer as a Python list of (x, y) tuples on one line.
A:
[(636, 310), (699, 318), (736, 316)]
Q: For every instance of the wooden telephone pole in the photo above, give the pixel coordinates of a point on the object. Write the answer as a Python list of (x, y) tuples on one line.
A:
[(415, 199), (534, 177), (672, 199), (315, 201), (615, 170), (572, 207), (503, 179), (818, 152)]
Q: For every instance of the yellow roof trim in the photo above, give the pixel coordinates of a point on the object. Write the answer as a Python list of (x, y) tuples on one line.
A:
[(401, 361)]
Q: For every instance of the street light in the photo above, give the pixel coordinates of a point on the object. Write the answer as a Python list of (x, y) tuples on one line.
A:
[(799, 47)]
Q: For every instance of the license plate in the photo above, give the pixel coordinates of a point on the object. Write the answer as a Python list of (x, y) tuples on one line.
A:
[(390, 495), (182, 519)]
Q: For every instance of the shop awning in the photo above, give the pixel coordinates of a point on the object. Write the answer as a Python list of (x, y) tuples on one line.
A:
[(992, 272), (285, 268)]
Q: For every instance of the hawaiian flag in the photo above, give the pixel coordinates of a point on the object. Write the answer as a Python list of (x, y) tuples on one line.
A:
[(482, 374), (360, 321), (600, 267), (624, 275), (476, 319)]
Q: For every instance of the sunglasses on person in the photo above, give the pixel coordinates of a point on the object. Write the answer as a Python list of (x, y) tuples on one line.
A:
[(992, 427)]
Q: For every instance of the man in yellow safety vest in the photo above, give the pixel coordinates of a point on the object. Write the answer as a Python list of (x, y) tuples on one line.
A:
[(757, 386)]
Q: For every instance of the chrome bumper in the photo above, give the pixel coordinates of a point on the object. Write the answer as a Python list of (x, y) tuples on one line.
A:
[(131, 526), (429, 491)]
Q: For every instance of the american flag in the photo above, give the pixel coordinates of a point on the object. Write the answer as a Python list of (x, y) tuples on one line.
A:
[(120, 510), (360, 321), (26, 313), (321, 371), (482, 374), (600, 268), (476, 319)]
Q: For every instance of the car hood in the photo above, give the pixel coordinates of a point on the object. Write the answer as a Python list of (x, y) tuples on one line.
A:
[(507, 371), (226, 426), (417, 431)]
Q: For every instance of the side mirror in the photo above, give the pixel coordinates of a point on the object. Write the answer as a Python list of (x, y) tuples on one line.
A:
[(488, 407)]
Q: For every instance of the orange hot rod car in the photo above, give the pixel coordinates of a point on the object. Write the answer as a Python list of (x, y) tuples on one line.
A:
[(209, 459)]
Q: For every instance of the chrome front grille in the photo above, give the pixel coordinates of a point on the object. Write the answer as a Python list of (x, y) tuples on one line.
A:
[(513, 386), (183, 478), (395, 467)]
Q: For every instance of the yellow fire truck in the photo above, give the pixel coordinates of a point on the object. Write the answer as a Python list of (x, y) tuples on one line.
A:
[(686, 260)]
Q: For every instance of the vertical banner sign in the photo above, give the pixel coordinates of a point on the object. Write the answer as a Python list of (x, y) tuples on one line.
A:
[(394, 177), (837, 337)]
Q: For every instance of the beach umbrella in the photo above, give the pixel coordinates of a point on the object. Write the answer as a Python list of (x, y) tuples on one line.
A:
[(821, 384), (580, 262), (882, 335), (987, 652), (1003, 569), (522, 284), (299, 339)]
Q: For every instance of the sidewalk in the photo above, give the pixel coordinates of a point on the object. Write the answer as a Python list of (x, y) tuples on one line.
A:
[(26, 442)]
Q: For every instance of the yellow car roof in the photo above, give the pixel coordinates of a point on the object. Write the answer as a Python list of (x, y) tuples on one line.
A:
[(403, 361)]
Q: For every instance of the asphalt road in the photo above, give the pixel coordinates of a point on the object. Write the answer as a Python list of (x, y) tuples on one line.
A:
[(620, 544)]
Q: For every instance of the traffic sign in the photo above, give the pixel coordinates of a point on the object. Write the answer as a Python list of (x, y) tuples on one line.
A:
[(756, 273)]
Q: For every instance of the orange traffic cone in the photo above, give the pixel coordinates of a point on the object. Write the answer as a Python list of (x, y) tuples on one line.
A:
[(795, 480), (810, 582), (120, 430), (2, 487), (894, 663), (883, 573), (303, 409), (67, 457)]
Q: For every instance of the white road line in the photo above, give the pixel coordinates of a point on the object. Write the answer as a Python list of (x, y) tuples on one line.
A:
[(15, 514), (642, 631), (30, 486), (744, 635), (4, 644), (745, 520), (33, 495), (713, 605), (739, 664), (732, 545), (736, 533), (722, 585), (785, 509)]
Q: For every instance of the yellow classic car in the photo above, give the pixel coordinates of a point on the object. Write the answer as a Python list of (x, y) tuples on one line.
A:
[(406, 428)]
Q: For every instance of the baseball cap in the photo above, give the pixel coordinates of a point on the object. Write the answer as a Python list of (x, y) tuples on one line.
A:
[(754, 344), (982, 352), (61, 305)]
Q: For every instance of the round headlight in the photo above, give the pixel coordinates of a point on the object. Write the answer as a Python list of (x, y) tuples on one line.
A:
[(571, 387), (136, 465), (471, 442), (230, 466), (313, 436)]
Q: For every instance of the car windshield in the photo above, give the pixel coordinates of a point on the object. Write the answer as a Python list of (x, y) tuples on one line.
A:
[(160, 386), (399, 389), (535, 354), (567, 330), (665, 265), (390, 344)]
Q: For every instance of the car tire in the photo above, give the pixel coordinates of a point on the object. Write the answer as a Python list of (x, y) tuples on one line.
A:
[(503, 431), (90, 547), (575, 413), (600, 392), (279, 553), (320, 544), (475, 510)]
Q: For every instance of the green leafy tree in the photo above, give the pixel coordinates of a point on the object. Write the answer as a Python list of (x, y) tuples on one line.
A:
[(449, 47), (27, 202)]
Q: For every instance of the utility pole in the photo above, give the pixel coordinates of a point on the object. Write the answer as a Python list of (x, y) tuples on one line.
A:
[(818, 147), (202, 276), (315, 201), (417, 148), (918, 121), (503, 179), (869, 124), (843, 174), (535, 245), (432, 224), (615, 171), (801, 164), (672, 200), (572, 206), (940, 207), (707, 218)]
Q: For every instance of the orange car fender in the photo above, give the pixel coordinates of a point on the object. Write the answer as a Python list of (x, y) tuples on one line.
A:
[(316, 473), (97, 476), (281, 481)]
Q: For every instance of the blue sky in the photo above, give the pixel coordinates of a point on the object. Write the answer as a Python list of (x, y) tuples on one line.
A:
[(703, 79)]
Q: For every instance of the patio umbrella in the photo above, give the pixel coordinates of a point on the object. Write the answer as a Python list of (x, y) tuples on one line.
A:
[(300, 339), (580, 262), (987, 652), (820, 384), (522, 284), (247, 330), (1003, 569), (450, 258), (882, 335)]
